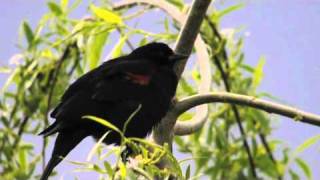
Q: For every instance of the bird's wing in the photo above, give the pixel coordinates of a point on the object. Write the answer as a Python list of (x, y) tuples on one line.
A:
[(111, 82)]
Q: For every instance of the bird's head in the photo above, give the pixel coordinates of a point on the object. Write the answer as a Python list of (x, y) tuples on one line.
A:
[(159, 53)]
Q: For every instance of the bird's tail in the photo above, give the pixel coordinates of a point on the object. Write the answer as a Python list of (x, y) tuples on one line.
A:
[(65, 142), (53, 128)]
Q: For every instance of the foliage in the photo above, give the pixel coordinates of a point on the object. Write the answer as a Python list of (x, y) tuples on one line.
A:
[(60, 49)]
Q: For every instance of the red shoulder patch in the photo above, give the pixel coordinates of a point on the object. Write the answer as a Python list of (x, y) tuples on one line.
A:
[(140, 79)]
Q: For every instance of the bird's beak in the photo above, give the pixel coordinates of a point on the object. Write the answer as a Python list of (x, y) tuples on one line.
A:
[(177, 57)]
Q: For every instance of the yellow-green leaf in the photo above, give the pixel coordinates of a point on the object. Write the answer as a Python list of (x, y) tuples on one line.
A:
[(123, 171), (96, 146), (106, 15), (305, 168), (309, 142), (95, 46), (258, 72), (104, 122), (117, 49)]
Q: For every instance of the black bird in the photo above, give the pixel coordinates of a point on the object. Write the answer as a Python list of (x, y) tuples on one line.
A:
[(113, 91)]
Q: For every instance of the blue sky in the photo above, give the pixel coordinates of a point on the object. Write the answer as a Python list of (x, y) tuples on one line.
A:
[(286, 32)]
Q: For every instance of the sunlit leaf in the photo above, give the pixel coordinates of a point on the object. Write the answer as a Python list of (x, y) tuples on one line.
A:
[(64, 4), (95, 46), (23, 160), (106, 15), (123, 170), (258, 72), (117, 49), (306, 144)]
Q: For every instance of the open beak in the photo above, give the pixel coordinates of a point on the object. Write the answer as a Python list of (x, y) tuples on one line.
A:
[(177, 57)]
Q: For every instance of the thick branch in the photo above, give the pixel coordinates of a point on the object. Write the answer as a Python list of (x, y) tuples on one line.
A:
[(188, 36), (224, 97)]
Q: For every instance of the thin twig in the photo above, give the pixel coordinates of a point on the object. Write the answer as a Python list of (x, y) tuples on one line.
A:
[(52, 82), (20, 131)]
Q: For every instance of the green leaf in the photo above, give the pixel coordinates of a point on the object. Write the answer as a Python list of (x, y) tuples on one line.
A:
[(187, 176), (117, 49), (309, 142), (10, 79), (185, 116), (55, 8), (98, 169), (4, 69), (294, 176), (123, 171), (130, 118), (305, 168), (103, 122), (96, 146), (64, 4), (108, 168), (107, 15), (95, 46), (228, 10), (178, 3), (258, 72), (186, 87), (23, 160), (28, 33)]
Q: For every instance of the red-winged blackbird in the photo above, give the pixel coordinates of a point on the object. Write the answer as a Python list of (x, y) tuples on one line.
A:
[(113, 91)]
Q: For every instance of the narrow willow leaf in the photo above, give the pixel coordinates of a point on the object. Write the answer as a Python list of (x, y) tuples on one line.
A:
[(309, 142), (258, 72), (64, 4), (229, 10), (294, 176), (187, 176), (305, 168), (96, 146), (103, 122), (28, 33), (117, 49), (55, 8), (143, 173), (108, 168), (107, 15), (4, 69), (23, 160), (95, 46), (130, 118), (10, 79), (177, 3), (123, 170)]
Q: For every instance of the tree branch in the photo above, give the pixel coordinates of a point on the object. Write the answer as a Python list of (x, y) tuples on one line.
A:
[(164, 132), (237, 99)]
